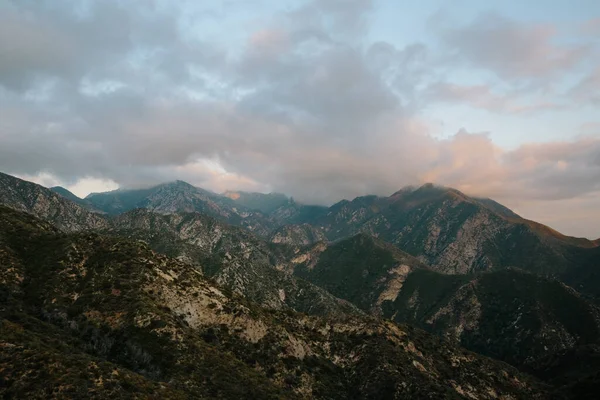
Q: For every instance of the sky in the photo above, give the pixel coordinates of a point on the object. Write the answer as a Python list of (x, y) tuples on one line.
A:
[(318, 99)]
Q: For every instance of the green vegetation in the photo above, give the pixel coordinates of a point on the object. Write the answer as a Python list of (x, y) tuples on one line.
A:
[(356, 269), (99, 314), (509, 314), (92, 316)]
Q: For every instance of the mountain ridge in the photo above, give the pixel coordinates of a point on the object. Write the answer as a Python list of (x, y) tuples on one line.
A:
[(48, 205), (450, 231), (283, 200), (507, 314), (129, 320), (447, 233)]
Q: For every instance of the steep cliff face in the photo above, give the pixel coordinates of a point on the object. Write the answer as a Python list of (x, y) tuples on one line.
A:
[(47, 205), (132, 322)]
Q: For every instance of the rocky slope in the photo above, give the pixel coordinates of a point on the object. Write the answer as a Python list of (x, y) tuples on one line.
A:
[(97, 317), (233, 257), (455, 234), (585, 275), (576, 371), (507, 314), (296, 213), (445, 229), (297, 235), (373, 275), (47, 205)]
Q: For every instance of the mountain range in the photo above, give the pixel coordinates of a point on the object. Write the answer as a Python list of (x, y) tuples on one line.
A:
[(445, 229), (181, 291)]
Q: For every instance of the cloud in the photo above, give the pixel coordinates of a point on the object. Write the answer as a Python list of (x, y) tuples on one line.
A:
[(305, 104), (482, 96), (587, 90), (534, 172), (82, 187), (571, 216), (512, 50), (48, 39), (558, 170)]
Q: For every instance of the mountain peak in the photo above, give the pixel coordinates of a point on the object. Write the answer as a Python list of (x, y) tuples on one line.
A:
[(409, 197), (179, 184), (429, 189)]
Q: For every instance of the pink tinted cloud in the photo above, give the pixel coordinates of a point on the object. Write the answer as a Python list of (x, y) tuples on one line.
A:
[(482, 96), (540, 171), (511, 49)]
